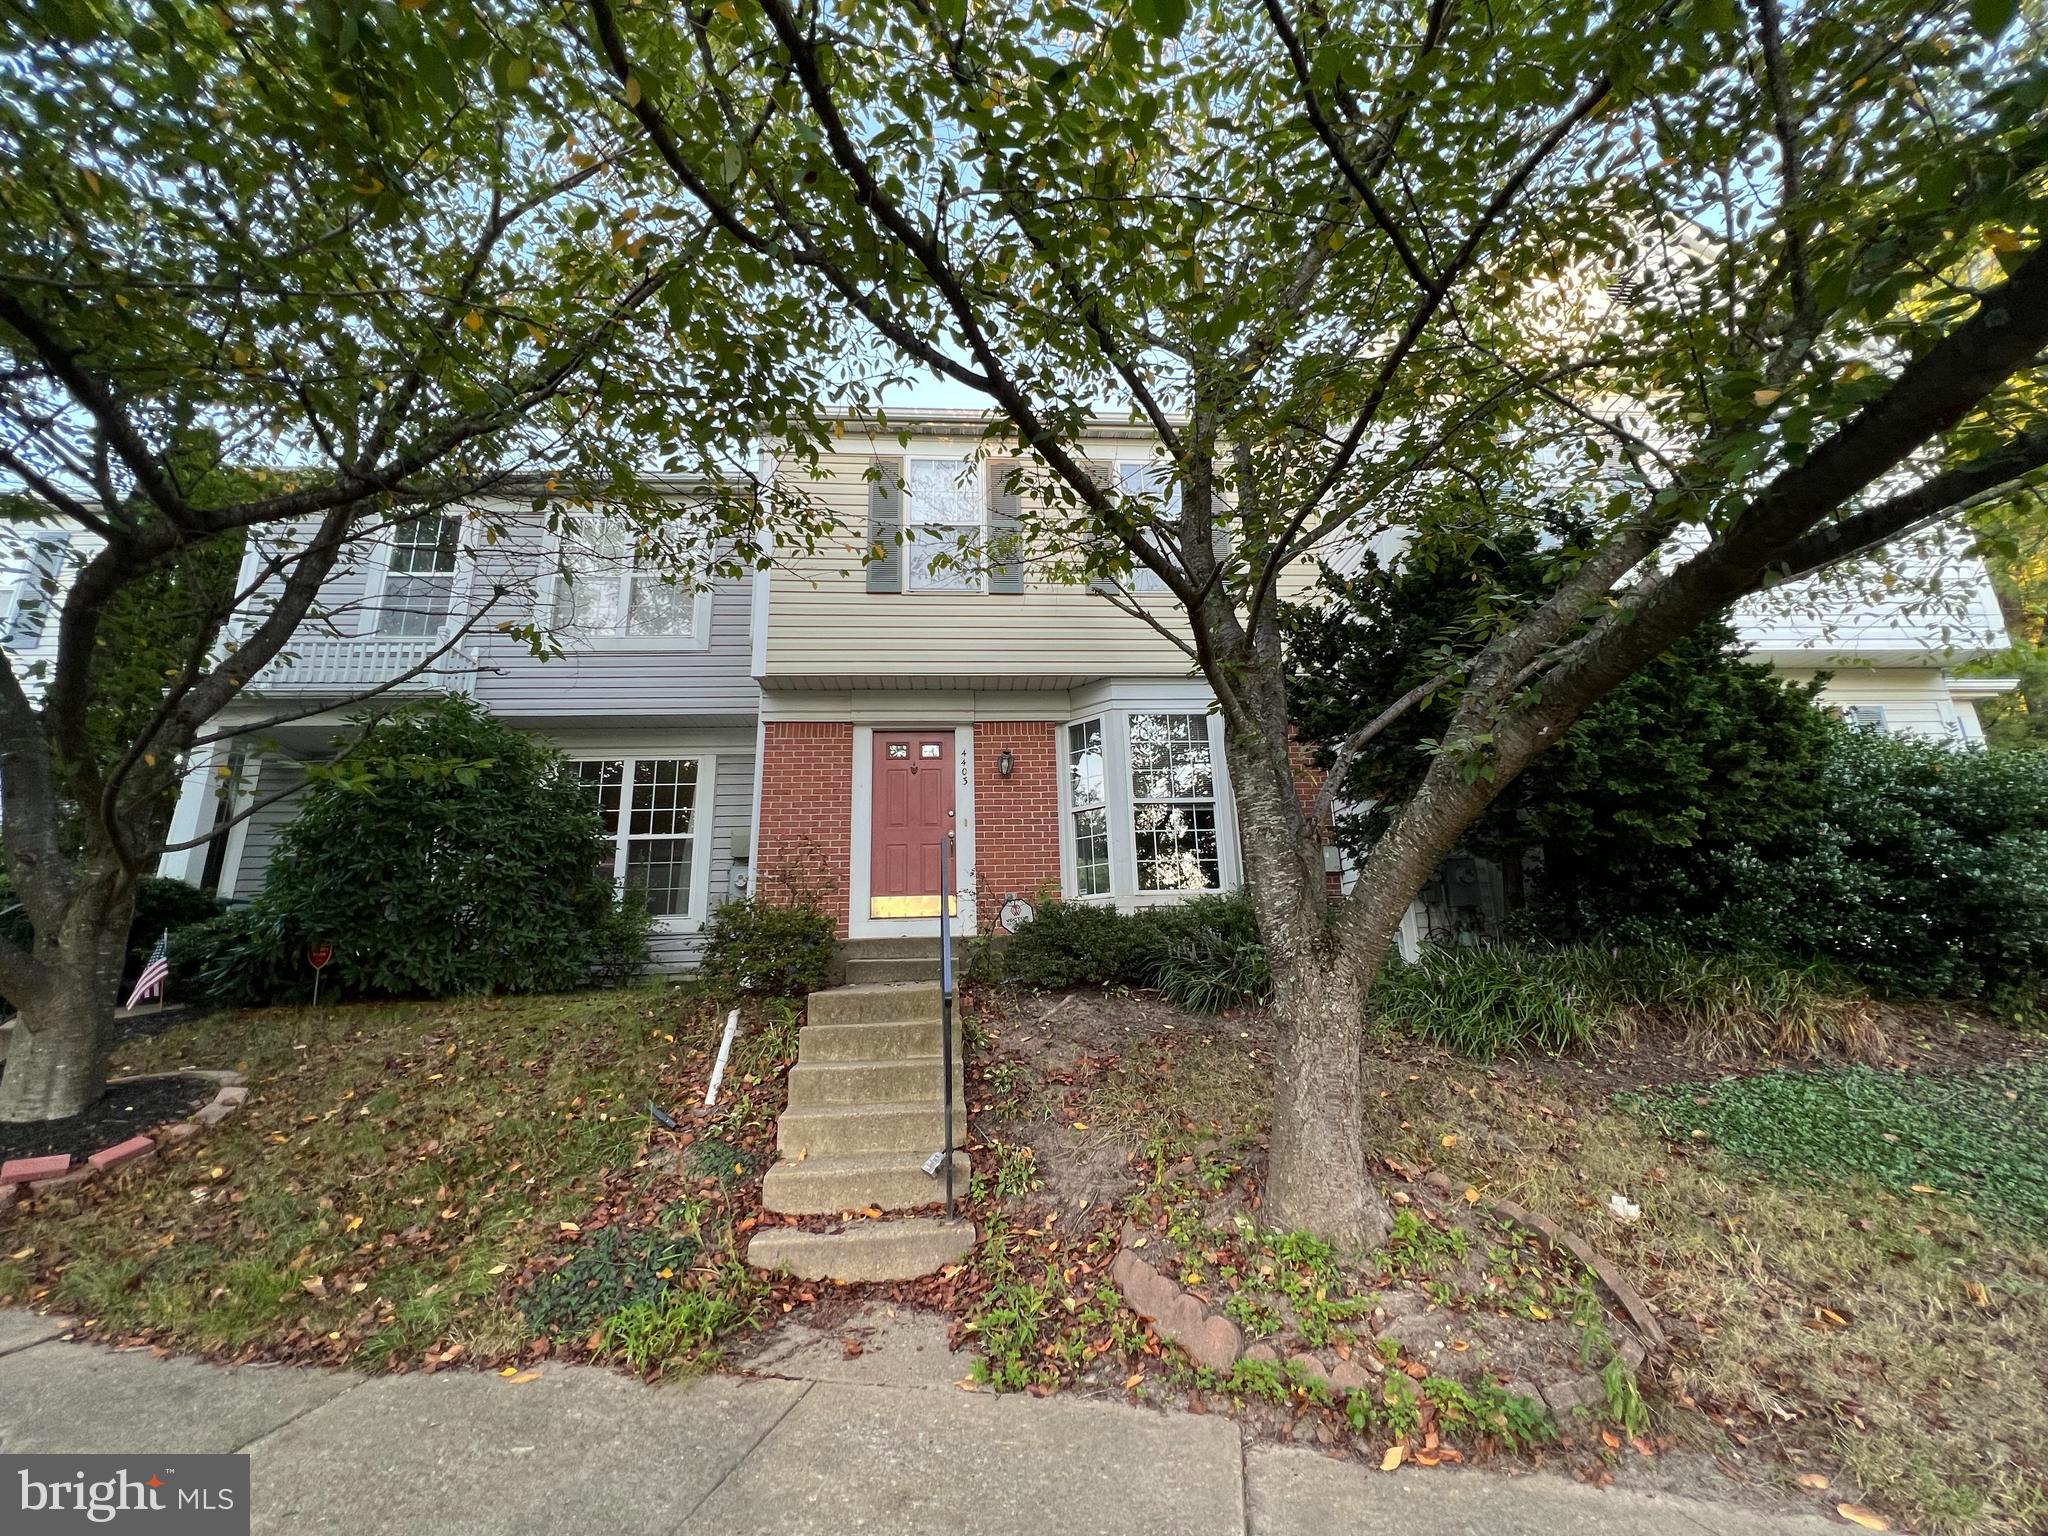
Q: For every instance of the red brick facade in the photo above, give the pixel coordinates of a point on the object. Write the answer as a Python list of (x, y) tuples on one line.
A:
[(1016, 820), (807, 811)]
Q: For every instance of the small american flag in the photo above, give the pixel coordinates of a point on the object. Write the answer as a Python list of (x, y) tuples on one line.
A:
[(158, 971)]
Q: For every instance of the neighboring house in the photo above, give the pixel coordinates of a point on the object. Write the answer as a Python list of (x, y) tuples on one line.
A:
[(822, 725), (651, 699)]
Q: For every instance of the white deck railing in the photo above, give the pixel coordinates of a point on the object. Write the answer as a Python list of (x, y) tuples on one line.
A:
[(353, 664)]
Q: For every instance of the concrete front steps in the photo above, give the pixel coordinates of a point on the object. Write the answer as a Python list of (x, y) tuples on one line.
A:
[(863, 1116)]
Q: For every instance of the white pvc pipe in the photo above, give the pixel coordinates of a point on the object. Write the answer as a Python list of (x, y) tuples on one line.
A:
[(732, 1023)]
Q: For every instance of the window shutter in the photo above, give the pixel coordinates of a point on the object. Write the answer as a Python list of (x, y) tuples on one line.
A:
[(1005, 528), (885, 527)]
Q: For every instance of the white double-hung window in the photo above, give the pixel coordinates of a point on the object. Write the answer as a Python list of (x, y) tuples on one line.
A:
[(1146, 480), (1088, 797), (613, 588), (1143, 800), (419, 575), (944, 504), (649, 809)]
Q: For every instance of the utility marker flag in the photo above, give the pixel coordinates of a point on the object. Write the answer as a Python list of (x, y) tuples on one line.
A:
[(151, 982)]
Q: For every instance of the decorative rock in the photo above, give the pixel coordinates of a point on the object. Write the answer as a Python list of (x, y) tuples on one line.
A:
[(8, 1195), (1308, 1368), (28, 1170), (1564, 1396), (121, 1152), (1211, 1340), (1632, 1352), (176, 1131), (1437, 1182), (233, 1096), (1415, 1335), (1403, 1303), (214, 1113), (1265, 1354), (1350, 1375), (1216, 1345)]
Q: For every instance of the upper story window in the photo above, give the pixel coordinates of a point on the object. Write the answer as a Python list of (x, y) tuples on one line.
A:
[(611, 588), (1147, 479), (419, 576), (648, 806), (944, 506)]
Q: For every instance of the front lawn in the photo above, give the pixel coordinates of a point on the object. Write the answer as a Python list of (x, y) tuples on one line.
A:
[(406, 1178)]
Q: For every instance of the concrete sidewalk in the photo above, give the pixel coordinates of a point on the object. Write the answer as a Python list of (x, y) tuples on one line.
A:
[(813, 1442)]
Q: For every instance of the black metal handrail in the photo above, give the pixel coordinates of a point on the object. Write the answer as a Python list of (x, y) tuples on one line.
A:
[(946, 1010)]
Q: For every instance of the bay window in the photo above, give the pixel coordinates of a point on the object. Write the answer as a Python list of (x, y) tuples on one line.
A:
[(1144, 820), (648, 806)]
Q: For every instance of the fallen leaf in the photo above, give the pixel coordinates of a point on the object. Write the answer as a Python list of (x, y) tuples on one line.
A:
[(1610, 1439), (1922, 1189), (497, 1269), (1856, 1514), (1396, 1454), (1133, 1379), (570, 1226), (510, 1370), (315, 1286), (1812, 1480), (1471, 1195), (1450, 1140), (524, 1377)]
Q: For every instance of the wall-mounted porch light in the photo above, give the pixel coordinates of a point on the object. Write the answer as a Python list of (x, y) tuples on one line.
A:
[(1005, 763)]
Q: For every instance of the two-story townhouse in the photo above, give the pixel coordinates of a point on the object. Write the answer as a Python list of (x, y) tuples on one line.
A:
[(905, 694)]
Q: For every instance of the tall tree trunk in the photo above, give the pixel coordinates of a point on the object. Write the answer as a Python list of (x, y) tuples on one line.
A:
[(57, 1064), (1316, 1178)]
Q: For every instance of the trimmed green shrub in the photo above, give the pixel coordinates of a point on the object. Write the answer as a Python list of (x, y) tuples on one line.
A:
[(454, 857), (773, 948), (1204, 954), (1075, 944)]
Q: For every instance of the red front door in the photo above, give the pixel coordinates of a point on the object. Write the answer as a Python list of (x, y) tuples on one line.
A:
[(913, 813)]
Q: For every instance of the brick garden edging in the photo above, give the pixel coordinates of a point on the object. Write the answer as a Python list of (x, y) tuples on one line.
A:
[(1216, 1343), (49, 1175)]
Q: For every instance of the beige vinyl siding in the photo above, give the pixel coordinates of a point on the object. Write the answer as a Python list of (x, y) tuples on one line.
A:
[(825, 627)]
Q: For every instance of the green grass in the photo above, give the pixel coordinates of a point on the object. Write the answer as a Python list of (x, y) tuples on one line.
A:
[(399, 1171), (1502, 1000), (1846, 1324), (1982, 1137)]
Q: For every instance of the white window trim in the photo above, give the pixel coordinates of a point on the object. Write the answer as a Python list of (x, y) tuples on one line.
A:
[(555, 587), (1123, 853), (379, 571), (952, 453), (701, 819)]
